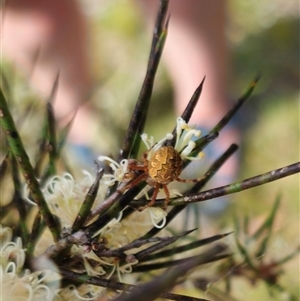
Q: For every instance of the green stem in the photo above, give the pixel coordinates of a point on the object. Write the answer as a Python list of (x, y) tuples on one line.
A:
[(52, 139), (87, 203), (239, 186), (22, 158), (20, 204)]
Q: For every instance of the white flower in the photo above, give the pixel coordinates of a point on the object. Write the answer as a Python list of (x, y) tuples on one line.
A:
[(158, 217), (85, 292), (105, 266), (27, 287), (65, 196), (16, 283), (153, 147), (119, 170), (184, 145), (10, 251)]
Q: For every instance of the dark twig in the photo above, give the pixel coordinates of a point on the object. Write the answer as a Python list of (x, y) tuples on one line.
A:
[(183, 248), (186, 115), (154, 248), (142, 268), (163, 283), (161, 242)]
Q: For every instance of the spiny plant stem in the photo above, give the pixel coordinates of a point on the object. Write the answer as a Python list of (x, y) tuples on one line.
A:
[(52, 147), (239, 186), (37, 230), (83, 278), (213, 134), (115, 209), (164, 282), (143, 268), (146, 252), (267, 225), (158, 243), (24, 231), (48, 136), (132, 139), (187, 113), (236, 107), (22, 158), (183, 248), (88, 202)]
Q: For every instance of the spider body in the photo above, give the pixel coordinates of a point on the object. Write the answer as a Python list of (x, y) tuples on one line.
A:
[(163, 167)]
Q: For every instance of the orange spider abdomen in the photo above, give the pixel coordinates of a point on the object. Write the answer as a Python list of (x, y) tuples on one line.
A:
[(165, 165)]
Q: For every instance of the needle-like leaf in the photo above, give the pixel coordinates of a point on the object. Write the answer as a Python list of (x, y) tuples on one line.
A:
[(16, 146), (88, 202), (132, 138)]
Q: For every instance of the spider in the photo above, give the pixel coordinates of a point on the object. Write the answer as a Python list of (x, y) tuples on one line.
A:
[(164, 167)]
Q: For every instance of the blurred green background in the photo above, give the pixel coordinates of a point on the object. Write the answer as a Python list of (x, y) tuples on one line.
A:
[(263, 37)]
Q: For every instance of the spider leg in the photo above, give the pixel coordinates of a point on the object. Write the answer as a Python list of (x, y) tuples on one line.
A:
[(134, 182), (153, 198), (166, 189), (135, 165)]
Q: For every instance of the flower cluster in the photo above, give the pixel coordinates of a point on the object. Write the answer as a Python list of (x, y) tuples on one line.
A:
[(20, 284), (185, 136), (65, 196), (119, 170), (16, 283), (184, 145)]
